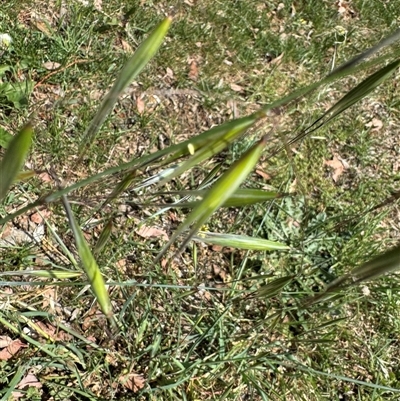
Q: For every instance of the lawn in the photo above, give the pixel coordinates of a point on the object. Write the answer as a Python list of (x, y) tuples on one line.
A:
[(210, 321)]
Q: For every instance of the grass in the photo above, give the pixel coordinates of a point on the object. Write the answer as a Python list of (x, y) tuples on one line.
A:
[(216, 323)]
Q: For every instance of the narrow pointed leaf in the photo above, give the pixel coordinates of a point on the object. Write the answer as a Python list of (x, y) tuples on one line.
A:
[(89, 264), (25, 175), (349, 67), (352, 97), (388, 262), (14, 158), (132, 68), (58, 274), (385, 42), (380, 265), (240, 198), (218, 194), (272, 288), (103, 238), (239, 241)]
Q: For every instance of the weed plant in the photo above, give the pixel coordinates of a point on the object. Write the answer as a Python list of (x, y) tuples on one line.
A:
[(173, 271)]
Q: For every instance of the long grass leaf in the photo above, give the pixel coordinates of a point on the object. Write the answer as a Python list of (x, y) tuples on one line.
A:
[(352, 97), (222, 136), (272, 288), (240, 198), (57, 274), (103, 237), (89, 264), (14, 158), (239, 241), (377, 267), (350, 67), (132, 68)]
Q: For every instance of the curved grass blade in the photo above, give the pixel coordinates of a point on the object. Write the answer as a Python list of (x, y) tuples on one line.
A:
[(14, 158), (218, 194), (132, 68), (380, 265), (89, 264), (239, 241)]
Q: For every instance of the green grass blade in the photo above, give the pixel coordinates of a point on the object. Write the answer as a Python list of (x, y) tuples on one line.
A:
[(240, 198), (377, 267), (380, 265), (11, 387), (132, 68), (239, 241), (14, 158), (385, 42), (352, 97), (57, 274), (272, 288), (218, 194), (363, 89), (89, 264), (350, 67), (103, 238)]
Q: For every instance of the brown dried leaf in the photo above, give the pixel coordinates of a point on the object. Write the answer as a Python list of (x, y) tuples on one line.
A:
[(11, 349), (50, 65), (236, 88), (37, 218), (126, 46), (30, 380), (45, 177), (5, 341), (97, 4), (375, 124), (41, 23), (140, 105), (263, 174), (344, 9), (277, 60), (121, 264), (193, 71), (149, 232), (337, 165), (132, 381)]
